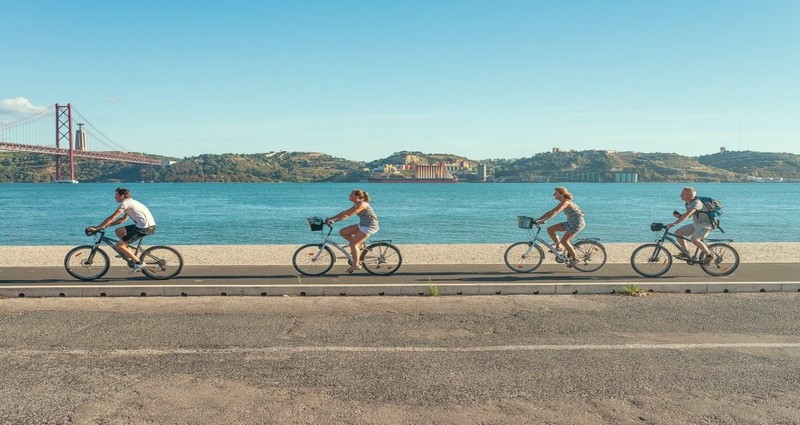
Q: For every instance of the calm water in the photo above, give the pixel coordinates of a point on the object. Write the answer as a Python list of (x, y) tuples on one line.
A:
[(269, 213)]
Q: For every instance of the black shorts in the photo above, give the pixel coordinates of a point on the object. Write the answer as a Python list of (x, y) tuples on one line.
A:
[(134, 233)]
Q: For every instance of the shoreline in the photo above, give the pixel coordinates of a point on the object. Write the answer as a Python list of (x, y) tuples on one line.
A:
[(421, 254)]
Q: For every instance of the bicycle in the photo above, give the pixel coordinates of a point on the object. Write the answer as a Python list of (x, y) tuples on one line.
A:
[(89, 262), (525, 257), (380, 258), (653, 260)]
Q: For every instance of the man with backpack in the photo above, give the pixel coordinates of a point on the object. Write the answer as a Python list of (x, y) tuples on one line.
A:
[(702, 224)]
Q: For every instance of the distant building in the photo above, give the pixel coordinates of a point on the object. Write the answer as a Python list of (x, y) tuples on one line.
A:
[(625, 177), (556, 149), (482, 172), (431, 171)]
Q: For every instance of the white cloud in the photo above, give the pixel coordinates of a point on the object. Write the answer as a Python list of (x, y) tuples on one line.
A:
[(114, 100), (12, 106)]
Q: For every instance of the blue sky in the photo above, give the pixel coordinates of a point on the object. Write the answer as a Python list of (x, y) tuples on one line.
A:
[(364, 79)]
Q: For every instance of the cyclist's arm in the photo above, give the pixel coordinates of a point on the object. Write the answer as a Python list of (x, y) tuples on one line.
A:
[(682, 217), (111, 220), (552, 213), (355, 209)]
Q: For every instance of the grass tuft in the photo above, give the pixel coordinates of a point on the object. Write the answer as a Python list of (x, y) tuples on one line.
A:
[(433, 290), (633, 291)]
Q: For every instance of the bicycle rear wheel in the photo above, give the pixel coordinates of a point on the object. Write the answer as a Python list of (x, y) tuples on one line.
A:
[(86, 263), (161, 262), (591, 255), (523, 257), (725, 262), (651, 260), (313, 259), (381, 258)]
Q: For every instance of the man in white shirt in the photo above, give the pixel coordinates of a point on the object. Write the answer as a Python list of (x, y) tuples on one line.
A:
[(144, 223)]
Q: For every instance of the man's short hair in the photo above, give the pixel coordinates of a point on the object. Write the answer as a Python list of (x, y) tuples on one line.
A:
[(125, 193), (691, 190)]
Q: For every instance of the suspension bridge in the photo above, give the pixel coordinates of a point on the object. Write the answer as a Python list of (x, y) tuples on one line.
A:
[(35, 133)]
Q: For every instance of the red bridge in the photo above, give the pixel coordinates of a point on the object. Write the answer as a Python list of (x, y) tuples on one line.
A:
[(29, 129)]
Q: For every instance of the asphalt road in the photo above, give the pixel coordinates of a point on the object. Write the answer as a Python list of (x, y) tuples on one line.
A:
[(661, 358)]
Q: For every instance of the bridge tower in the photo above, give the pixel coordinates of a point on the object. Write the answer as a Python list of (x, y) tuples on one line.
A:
[(64, 133)]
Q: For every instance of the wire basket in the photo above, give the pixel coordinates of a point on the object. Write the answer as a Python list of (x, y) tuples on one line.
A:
[(315, 223), (657, 227), (525, 222)]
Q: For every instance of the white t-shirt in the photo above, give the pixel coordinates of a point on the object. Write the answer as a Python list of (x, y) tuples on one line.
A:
[(702, 217), (138, 213)]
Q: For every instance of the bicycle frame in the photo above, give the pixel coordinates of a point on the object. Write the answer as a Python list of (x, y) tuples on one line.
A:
[(327, 241), (111, 242), (534, 239), (666, 235)]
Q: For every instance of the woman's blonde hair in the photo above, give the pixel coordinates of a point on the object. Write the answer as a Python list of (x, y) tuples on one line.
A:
[(564, 192), (361, 194)]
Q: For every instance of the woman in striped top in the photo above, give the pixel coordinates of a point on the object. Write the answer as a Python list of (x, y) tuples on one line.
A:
[(356, 234)]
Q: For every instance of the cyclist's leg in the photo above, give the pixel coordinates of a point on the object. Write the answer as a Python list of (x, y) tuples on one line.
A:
[(349, 232), (127, 235), (355, 238), (684, 232), (552, 232), (133, 234), (565, 241), (360, 242), (700, 233), (571, 229)]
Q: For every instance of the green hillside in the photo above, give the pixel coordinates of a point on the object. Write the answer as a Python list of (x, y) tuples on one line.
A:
[(319, 167)]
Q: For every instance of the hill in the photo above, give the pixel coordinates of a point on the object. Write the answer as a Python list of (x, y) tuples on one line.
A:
[(592, 165), (567, 166), (757, 164)]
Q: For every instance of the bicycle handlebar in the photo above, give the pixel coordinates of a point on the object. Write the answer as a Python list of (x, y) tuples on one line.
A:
[(90, 232)]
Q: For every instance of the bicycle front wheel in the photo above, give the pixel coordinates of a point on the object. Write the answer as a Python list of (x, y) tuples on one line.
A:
[(161, 262), (86, 263), (523, 257), (313, 259), (381, 259), (651, 260), (726, 260)]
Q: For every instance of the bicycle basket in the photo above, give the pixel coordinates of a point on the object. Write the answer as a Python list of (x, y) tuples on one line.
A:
[(525, 222), (315, 223), (657, 227)]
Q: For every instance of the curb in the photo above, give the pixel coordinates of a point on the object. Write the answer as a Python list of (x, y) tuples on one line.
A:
[(389, 289)]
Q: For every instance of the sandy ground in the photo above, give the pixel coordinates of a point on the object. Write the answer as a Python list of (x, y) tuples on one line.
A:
[(17, 256)]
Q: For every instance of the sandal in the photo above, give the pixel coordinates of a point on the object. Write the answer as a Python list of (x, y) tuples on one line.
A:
[(352, 269)]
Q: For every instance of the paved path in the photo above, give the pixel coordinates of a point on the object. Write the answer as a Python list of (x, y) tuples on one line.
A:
[(410, 280), (661, 359)]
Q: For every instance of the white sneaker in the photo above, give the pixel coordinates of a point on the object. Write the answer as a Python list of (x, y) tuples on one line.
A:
[(136, 268)]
